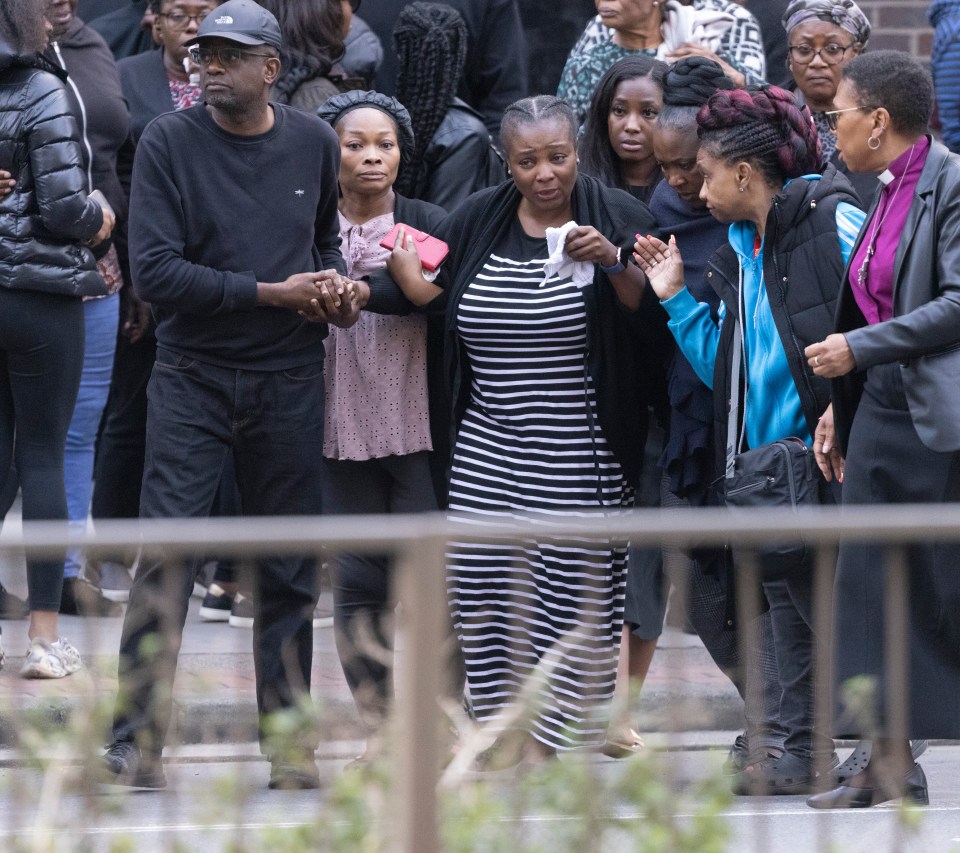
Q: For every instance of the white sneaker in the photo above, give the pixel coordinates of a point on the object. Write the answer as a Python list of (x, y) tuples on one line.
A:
[(50, 660)]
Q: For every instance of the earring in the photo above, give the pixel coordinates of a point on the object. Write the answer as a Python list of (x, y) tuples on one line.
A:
[(741, 187), (870, 142)]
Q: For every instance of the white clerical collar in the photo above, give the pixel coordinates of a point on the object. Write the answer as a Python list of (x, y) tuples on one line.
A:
[(885, 177)]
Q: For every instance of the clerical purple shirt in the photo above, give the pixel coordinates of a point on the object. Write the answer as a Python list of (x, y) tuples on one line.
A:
[(873, 284)]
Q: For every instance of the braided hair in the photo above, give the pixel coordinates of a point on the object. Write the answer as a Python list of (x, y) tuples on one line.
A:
[(596, 152), (764, 126), (430, 40), (687, 86), (533, 110), (312, 41), (22, 25)]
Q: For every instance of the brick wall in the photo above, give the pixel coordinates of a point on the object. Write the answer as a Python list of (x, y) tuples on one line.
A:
[(899, 25)]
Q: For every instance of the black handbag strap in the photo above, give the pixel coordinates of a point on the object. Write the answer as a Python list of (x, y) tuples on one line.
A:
[(735, 434)]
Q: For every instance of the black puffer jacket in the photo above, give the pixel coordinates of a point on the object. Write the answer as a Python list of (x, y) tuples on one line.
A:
[(47, 215)]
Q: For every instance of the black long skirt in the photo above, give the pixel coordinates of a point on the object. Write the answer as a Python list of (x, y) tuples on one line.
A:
[(887, 464)]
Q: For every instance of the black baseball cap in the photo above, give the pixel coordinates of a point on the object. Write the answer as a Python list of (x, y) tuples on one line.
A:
[(242, 21)]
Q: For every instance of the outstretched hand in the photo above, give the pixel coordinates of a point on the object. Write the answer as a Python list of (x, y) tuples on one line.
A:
[(662, 264)]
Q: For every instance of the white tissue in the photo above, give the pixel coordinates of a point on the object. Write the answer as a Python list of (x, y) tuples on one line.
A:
[(559, 265)]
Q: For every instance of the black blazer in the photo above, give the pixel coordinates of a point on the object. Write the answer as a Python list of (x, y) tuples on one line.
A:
[(145, 86), (924, 333)]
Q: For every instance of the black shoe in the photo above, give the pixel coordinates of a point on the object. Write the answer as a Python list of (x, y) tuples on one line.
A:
[(12, 607), (216, 604), (860, 758), (775, 776), (80, 598), (289, 776), (737, 757), (123, 764), (912, 788)]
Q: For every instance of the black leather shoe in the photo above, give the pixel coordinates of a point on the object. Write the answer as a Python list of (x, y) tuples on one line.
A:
[(912, 787), (124, 764)]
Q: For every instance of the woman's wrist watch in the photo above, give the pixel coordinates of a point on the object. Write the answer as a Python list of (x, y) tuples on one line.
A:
[(616, 266)]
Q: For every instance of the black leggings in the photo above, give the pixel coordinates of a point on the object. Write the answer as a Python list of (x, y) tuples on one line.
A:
[(41, 357), (361, 582)]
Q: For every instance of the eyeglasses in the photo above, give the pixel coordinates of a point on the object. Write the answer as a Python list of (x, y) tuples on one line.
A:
[(831, 53), (228, 57), (180, 21), (831, 115)]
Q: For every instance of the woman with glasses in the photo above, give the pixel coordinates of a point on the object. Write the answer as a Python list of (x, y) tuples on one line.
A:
[(894, 362), (823, 35), (160, 81)]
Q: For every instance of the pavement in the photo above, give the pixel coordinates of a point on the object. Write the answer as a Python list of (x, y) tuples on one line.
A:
[(215, 697)]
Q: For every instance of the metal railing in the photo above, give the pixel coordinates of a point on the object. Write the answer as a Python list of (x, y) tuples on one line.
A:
[(418, 543)]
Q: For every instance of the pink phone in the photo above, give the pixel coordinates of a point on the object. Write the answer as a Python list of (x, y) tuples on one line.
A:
[(432, 252)]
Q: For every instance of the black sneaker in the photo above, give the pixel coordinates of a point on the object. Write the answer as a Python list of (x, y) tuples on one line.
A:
[(79, 598), (12, 607), (216, 605), (123, 764), (241, 613), (298, 776)]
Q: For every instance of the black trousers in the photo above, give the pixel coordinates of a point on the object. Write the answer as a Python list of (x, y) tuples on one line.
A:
[(363, 608), (888, 464), (273, 422)]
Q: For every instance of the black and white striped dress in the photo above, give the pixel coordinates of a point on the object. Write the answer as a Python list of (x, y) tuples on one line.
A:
[(530, 442)]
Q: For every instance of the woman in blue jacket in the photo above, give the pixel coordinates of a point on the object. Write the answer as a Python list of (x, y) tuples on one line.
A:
[(791, 230)]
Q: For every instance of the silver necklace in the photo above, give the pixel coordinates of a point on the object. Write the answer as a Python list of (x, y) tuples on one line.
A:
[(872, 244)]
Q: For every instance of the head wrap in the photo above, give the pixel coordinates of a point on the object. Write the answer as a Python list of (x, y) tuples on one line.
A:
[(339, 105), (844, 13)]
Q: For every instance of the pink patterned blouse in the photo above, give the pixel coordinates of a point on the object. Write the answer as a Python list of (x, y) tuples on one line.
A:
[(376, 371)]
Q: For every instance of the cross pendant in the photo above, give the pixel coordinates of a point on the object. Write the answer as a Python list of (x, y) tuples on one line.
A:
[(862, 272)]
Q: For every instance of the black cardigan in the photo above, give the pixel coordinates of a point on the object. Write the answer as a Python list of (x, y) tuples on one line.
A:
[(623, 347)]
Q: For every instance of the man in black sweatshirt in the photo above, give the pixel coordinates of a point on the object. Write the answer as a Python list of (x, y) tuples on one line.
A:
[(233, 238)]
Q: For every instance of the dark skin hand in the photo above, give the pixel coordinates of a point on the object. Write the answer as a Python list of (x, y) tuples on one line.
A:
[(338, 301), (134, 314)]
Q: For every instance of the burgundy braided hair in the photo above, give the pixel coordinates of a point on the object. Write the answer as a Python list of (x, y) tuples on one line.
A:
[(764, 126)]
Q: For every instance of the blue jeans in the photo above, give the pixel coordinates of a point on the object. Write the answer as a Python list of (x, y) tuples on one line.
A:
[(101, 318), (273, 423)]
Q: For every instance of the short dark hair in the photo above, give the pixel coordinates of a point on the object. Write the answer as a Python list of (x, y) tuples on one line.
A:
[(22, 25), (897, 82), (763, 126), (596, 152), (533, 110)]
